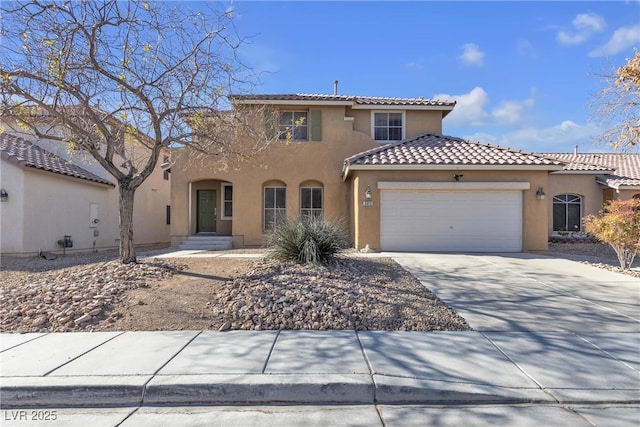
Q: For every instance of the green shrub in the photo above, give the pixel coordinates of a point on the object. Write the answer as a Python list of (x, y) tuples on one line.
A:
[(308, 240)]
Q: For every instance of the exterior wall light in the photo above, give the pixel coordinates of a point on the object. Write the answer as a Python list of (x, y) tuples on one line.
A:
[(367, 193), (540, 195), (3, 195)]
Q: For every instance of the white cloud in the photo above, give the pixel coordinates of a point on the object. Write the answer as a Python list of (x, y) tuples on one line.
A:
[(589, 21), (561, 137), (471, 109), (472, 55), (526, 49), (413, 65), (623, 38), (584, 25), (510, 112)]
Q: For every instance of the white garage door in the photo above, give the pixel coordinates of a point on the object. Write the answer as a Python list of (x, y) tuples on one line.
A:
[(451, 221)]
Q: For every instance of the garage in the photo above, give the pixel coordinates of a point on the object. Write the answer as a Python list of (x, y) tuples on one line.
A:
[(451, 217)]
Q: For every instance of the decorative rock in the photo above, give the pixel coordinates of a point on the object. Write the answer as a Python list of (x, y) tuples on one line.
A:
[(84, 318), (49, 301)]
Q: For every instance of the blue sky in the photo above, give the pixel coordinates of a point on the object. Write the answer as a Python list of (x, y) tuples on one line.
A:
[(522, 72)]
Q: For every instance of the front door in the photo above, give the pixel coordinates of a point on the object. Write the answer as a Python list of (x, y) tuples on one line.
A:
[(207, 211)]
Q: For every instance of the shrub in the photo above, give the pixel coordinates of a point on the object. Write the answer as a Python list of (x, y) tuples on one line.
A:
[(618, 225), (308, 240)]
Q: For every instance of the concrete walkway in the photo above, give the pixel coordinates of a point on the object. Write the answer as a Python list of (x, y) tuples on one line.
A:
[(527, 362), (134, 369)]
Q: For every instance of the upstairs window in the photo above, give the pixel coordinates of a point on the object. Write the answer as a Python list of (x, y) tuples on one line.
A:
[(567, 212), (293, 126), (166, 170), (388, 126)]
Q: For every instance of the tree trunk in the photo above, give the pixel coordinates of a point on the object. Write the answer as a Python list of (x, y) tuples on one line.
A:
[(626, 256), (127, 251)]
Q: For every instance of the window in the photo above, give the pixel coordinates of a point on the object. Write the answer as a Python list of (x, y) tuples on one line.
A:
[(165, 170), (311, 202), (567, 212), (388, 126), (293, 126), (275, 207), (227, 201), (168, 215)]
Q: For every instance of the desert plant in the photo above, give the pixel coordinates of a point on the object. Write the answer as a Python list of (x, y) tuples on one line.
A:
[(307, 240), (618, 225)]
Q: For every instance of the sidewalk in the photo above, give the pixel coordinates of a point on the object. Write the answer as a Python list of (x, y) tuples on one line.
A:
[(317, 367)]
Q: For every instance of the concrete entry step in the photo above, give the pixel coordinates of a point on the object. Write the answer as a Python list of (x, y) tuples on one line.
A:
[(207, 242)]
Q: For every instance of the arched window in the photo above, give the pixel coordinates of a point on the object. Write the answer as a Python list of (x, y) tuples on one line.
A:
[(567, 212)]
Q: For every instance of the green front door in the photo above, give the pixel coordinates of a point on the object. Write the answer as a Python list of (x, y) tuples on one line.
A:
[(207, 212)]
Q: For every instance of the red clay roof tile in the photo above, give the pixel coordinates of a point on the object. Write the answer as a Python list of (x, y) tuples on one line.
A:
[(26, 152), (432, 149)]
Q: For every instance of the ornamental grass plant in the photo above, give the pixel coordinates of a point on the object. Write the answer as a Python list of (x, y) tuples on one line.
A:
[(308, 240)]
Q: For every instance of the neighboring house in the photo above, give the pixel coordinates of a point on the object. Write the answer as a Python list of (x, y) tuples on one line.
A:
[(52, 194), (383, 165), (586, 182)]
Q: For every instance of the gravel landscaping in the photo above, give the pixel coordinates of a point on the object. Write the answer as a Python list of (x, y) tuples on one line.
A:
[(362, 294), (597, 254), (92, 292)]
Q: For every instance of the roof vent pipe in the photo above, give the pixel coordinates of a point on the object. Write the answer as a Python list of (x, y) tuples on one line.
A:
[(335, 87), (575, 149)]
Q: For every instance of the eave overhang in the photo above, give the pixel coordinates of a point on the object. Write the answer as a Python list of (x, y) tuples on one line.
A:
[(433, 167)]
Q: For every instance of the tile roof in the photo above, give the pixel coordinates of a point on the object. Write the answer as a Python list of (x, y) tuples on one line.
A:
[(358, 100), (431, 150), (625, 167), (26, 152)]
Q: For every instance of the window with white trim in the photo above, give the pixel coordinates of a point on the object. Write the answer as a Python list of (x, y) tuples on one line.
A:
[(166, 172), (293, 126), (388, 126), (227, 201), (311, 202), (567, 212), (275, 207)]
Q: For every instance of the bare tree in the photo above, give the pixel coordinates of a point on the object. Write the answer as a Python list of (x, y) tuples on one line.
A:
[(120, 80), (617, 106)]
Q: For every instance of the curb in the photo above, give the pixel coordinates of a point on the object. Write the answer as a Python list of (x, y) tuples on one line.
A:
[(291, 389)]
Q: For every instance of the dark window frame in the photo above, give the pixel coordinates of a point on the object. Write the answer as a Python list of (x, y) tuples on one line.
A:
[(565, 217), (315, 208), (227, 203), (384, 129), (290, 126)]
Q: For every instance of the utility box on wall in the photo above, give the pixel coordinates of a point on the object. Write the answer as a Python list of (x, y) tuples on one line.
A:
[(66, 242), (93, 215)]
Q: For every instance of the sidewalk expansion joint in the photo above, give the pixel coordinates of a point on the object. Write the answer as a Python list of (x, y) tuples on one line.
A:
[(273, 345), (144, 386), (82, 354), (25, 342), (371, 371), (521, 369)]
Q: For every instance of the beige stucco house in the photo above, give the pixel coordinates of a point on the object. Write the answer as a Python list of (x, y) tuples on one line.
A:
[(383, 166), (51, 193)]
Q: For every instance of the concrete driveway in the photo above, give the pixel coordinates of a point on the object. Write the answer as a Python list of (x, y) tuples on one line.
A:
[(526, 292)]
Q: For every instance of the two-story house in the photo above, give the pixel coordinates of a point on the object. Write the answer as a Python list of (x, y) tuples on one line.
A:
[(383, 166)]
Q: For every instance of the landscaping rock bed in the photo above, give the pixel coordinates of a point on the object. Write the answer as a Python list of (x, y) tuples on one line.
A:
[(362, 294), (70, 298)]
